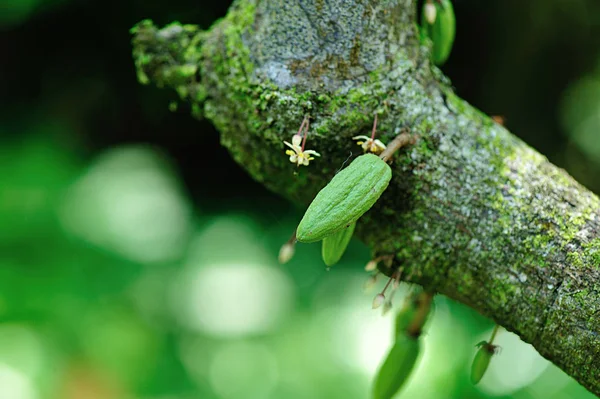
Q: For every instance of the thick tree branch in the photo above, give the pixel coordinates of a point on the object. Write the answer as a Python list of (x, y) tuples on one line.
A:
[(471, 212)]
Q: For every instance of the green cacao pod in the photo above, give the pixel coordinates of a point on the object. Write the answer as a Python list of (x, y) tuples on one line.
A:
[(350, 194), (442, 31), (335, 245), (405, 316), (396, 368), (481, 361)]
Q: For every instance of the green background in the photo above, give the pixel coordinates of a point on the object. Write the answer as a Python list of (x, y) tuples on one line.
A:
[(138, 261)]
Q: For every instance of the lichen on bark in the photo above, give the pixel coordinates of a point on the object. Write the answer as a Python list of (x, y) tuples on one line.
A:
[(471, 211)]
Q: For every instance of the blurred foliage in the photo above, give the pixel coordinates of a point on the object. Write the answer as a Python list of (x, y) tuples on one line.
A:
[(137, 261)]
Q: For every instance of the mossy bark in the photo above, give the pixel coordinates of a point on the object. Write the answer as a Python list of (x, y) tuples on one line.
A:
[(472, 212)]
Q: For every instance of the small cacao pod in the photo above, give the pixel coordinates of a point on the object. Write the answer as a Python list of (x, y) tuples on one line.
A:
[(481, 361), (397, 367), (335, 245), (442, 31), (350, 194)]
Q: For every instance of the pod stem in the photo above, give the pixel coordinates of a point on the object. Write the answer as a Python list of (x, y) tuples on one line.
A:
[(386, 286), (306, 123), (416, 325), (292, 239), (494, 333), (374, 128), (401, 140)]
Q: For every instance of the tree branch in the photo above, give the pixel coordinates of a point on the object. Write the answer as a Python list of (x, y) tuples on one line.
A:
[(472, 212)]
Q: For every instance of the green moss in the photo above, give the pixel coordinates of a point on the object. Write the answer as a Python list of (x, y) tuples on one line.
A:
[(320, 4), (587, 257), (153, 53), (520, 202), (592, 250)]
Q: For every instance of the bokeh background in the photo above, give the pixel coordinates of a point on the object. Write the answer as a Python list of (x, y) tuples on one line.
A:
[(138, 261)]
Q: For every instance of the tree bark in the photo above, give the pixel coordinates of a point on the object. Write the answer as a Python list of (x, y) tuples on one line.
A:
[(472, 212)]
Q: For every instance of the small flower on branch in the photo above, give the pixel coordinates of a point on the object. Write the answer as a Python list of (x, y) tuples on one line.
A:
[(298, 154), (371, 144)]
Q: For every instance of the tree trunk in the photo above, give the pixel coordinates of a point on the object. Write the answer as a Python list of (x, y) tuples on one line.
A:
[(472, 212)]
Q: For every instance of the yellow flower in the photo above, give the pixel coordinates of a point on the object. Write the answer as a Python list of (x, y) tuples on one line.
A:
[(370, 145), (297, 154)]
